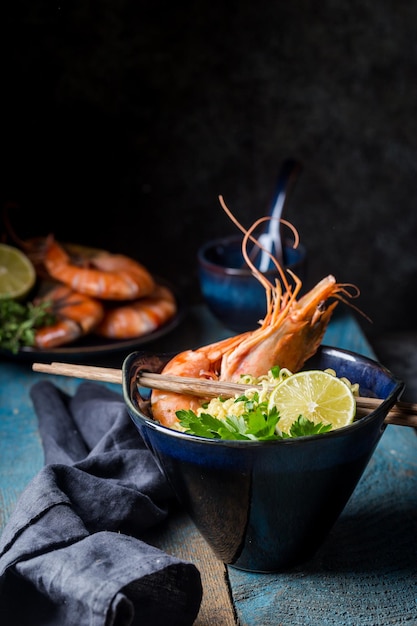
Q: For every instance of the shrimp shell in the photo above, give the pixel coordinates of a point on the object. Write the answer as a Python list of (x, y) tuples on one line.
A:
[(139, 317), (77, 315), (100, 275), (290, 333), (286, 340)]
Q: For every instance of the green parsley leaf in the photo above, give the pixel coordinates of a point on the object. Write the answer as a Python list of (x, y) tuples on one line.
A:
[(303, 428), (19, 322), (256, 424)]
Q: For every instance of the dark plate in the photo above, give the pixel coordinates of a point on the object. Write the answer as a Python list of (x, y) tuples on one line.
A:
[(91, 346)]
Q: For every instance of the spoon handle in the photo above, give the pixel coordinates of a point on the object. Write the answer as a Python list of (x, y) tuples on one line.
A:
[(272, 239)]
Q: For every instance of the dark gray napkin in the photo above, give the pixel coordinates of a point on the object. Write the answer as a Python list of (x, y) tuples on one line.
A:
[(71, 553)]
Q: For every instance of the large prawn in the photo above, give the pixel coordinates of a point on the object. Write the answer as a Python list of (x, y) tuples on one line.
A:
[(139, 317), (102, 275), (75, 316), (289, 334), (92, 272)]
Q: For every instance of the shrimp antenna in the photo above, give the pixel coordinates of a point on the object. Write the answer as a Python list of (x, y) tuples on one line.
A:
[(349, 290), (248, 235), (257, 273)]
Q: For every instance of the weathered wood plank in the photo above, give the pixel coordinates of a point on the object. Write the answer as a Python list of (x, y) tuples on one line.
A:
[(344, 332), (180, 537)]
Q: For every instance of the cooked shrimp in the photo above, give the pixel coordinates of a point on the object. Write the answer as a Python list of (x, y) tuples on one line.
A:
[(139, 317), (100, 275), (76, 315), (290, 333), (94, 272)]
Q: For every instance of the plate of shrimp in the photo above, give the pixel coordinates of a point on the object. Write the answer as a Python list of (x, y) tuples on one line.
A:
[(100, 302)]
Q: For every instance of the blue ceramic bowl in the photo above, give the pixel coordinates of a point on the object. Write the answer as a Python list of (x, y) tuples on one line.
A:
[(229, 288), (266, 506)]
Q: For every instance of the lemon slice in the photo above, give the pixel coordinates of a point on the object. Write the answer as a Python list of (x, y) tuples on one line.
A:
[(17, 274), (318, 396)]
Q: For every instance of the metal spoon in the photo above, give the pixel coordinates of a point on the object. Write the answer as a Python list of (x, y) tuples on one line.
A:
[(271, 240)]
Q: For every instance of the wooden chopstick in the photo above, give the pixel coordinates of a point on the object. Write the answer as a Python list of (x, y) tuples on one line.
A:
[(401, 414)]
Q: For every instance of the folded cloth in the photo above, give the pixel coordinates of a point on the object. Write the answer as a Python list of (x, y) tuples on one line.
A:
[(71, 554)]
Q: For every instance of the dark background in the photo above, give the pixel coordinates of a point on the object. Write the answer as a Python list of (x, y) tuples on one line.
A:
[(122, 122)]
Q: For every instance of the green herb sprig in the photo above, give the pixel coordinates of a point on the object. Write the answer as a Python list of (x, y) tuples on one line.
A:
[(19, 322), (255, 424)]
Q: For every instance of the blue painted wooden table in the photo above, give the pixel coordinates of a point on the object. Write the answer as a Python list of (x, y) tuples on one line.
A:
[(366, 572)]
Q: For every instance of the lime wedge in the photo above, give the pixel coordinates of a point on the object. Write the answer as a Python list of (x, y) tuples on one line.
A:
[(17, 273), (318, 396)]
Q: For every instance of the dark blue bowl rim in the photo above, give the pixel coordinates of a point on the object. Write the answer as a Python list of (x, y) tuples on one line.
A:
[(362, 422), (244, 271)]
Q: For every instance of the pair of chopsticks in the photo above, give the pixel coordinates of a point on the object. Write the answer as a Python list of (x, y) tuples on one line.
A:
[(401, 414)]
